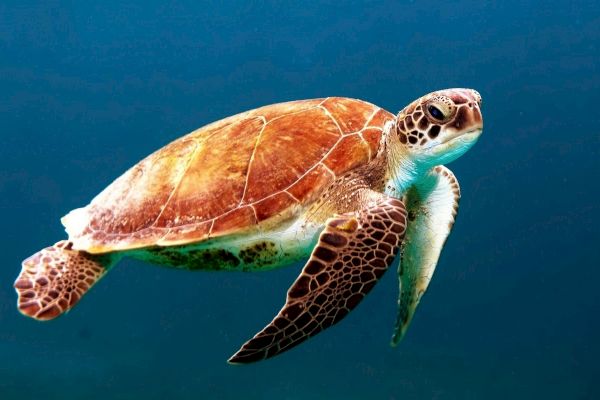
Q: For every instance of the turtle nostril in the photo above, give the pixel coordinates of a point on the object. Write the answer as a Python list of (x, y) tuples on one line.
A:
[(476, 96)]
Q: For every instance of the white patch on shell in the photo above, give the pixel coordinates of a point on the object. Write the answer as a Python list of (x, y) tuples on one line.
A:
[(75, 222)]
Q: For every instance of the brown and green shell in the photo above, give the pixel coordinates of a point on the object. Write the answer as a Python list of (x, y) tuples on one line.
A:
[(232, 175)]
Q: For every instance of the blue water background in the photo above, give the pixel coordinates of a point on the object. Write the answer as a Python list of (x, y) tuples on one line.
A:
[(89, 88)]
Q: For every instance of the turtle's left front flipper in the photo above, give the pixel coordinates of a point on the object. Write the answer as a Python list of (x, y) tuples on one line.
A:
[(432, 205), (353, 252)]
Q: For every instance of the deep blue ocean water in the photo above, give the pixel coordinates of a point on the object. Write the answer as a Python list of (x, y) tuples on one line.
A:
[(87, 90)]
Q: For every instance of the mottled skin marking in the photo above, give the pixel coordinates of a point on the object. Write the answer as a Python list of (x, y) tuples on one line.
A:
[(259, 254), (193, 259), (417, 127)]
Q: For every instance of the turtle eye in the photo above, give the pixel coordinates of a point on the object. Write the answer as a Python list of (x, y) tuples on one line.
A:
[(435, 112), (440, 109)]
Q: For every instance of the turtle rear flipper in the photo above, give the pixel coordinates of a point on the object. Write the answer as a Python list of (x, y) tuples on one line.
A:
[(55, 278)]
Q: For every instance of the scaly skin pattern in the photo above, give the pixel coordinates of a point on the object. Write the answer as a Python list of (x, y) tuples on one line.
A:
[(416, 128), (55, 278), (353, 252)]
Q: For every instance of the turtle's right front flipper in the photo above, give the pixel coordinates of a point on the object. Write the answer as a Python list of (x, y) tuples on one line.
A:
[(353, 252), (432, 205)]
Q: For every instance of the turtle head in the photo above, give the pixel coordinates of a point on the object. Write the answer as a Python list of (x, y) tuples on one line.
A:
[(441, 126)]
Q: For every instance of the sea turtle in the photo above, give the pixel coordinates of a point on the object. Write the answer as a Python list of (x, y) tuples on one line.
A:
[(338, 180)]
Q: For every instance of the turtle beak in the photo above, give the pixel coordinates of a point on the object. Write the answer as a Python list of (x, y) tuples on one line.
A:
[(468, 120), (460, 134)]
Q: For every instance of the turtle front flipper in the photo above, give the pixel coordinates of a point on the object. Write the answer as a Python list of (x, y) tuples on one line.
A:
[(432, 205), (54, 279), (353, 252)]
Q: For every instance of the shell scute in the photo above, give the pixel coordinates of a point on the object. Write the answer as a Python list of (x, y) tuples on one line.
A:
[(380, 118), (287, 148), (349, 114), (233, 220), (373, 137), (185, 234), (349, 153), (139, 188), (280, 201), (280, 110), (208, 181), (303, 188)]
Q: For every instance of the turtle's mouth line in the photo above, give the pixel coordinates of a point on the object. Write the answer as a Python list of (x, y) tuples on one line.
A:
[(466, 136)]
